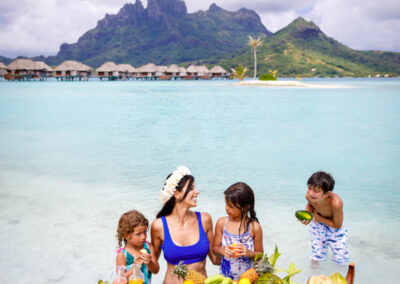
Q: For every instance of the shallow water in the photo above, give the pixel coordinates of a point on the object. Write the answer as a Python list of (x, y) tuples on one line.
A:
[(75, 155)]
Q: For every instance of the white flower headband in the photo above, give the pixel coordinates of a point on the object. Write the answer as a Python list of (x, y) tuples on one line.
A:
[(172, 182)]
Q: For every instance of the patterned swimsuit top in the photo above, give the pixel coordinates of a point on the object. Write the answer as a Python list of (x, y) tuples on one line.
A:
[(234, 267), (130, 260)]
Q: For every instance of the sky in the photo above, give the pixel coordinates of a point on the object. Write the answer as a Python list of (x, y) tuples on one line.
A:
[(33, 28)]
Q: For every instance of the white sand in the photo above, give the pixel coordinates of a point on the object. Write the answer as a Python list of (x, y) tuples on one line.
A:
[(286, 84)]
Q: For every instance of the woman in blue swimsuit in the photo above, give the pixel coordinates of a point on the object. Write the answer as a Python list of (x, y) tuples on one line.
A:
[(182, 235)]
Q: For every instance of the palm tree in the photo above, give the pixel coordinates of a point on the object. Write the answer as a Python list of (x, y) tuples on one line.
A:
[(239, 72), (273, 72), (254, 43)]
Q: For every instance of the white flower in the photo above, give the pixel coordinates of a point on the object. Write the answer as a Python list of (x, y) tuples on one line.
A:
[(172, 182)]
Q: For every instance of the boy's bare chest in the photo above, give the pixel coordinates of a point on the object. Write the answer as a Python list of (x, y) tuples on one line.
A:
[(325, 210)]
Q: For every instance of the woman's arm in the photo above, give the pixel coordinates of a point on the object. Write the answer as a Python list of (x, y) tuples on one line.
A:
[(208, 227), (157, 236)]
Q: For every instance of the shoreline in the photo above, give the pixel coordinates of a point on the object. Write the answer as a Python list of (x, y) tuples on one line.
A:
[(288, 83)]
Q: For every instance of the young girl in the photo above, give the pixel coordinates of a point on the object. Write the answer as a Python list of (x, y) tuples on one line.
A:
[(133, 248), (238, 237)]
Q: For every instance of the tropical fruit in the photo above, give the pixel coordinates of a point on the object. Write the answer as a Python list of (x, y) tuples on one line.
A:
[(261, 267), (304, 215), (143, 251), (244, 281), (337, 278), (183, 273), (268, 278), (214, 279), (321, 279)]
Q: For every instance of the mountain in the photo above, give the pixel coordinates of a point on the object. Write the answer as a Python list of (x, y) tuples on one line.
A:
[(302, 49), (163, 33)]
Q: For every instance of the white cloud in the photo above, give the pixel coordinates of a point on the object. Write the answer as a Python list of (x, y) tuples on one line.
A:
[(32, 28), (363, 25)]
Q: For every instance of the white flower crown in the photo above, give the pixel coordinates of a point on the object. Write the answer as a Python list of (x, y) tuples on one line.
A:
[(172, 182)]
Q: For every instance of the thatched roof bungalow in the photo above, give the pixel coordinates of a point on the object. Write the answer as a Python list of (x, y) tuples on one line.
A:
[(126, 70), (161, 70), (192, 71), (108, 69), (182, 71), (43, 68), (21, 67), (147, 70), (203, 72), (173, 70), (72, 68), (218, 71), (3, 69)]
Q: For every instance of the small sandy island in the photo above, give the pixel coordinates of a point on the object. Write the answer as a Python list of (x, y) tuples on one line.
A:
[(286, 84)]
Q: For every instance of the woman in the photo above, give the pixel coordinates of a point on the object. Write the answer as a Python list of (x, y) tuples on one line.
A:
[(182, 234)]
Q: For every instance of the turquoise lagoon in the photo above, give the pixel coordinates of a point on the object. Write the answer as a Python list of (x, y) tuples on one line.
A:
[(75, 155)]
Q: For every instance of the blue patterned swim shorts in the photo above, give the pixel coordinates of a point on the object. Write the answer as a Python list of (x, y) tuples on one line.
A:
[(324, 236)]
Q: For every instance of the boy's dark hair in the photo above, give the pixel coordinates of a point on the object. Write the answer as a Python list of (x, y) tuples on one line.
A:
[(322, 180), (170, 204), (241, 196)]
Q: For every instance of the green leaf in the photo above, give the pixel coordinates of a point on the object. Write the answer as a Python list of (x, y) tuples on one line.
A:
[(273, 258), (292, 270)]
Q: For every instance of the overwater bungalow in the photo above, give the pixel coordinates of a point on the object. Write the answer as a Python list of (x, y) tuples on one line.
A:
[(126, 71), (219, 72), (173, 71), (161, 72), (3, 69), (182, 72), (20, 69), (42, 70), (108, 70), (192, 72), (71, 70), (203, 72), (148, 71)]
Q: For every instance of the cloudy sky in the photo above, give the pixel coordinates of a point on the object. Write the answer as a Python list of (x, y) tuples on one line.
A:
[(33, 28)]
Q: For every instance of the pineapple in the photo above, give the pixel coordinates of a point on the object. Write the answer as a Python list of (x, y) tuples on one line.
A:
[(261, 266), (182, 272)]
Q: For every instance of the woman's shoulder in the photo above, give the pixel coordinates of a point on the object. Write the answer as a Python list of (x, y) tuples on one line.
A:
[(157, 225)]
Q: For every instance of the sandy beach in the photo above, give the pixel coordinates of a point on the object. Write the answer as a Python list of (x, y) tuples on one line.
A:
[(285, 83)]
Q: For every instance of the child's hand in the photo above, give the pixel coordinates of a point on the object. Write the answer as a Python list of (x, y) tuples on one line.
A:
[(146, 258), (229, 251), (305, 222), (242, 250)]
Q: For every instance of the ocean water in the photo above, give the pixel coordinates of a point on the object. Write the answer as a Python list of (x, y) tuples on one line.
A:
[(74, 156)]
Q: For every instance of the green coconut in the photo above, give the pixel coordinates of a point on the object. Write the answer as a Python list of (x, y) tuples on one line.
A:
[(268, 278)]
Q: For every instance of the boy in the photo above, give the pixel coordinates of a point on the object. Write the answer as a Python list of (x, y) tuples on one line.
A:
[(326, 228)]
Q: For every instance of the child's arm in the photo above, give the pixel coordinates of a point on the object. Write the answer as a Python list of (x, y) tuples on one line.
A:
[(310, 209), (225, 251), (207, 224), (151, 260), (122, 261), (258, 244)]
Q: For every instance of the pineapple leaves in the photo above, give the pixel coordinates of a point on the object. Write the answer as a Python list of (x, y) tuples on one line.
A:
[(273, 258), (291, 271)]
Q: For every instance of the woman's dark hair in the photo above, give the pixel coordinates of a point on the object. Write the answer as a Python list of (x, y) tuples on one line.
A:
[(170, 204), (322, 180), (241, 196)]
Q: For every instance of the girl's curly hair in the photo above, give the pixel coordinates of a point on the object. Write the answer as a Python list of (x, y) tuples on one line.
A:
[(127, 224)]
